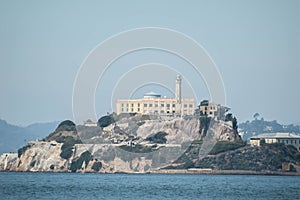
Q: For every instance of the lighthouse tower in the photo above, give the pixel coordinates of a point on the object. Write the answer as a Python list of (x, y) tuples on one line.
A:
[(178, 95)]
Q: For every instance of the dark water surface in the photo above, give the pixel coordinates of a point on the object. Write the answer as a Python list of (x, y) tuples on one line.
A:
[(147, 186)]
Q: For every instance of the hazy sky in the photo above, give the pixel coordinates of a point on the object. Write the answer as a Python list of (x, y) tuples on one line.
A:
[(255, 44)]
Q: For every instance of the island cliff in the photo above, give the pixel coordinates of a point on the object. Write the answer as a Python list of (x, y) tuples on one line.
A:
[(146, 144)]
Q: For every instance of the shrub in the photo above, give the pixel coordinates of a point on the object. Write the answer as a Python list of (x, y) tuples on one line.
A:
[(32, 163), (66, 151), (67, 147), (22, 150), (222, 146), (97, 166), (66, 125), (84, 157), (105, 121), (159, 138), (204, 124), (140, 123)]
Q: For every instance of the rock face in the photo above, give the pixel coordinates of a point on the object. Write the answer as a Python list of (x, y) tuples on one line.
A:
[(178, 130), (133, 144), (39, 156)]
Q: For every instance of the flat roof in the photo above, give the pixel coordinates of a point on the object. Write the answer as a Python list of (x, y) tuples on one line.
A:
[(276, 136)]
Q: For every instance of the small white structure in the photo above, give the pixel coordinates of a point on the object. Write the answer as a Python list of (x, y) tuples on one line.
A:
[(90, 123), (269, 138)]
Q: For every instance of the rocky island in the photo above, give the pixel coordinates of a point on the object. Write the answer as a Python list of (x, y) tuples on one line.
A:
[(136, 143)]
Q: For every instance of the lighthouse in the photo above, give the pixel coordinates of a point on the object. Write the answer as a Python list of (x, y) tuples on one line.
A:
[(178, 95)]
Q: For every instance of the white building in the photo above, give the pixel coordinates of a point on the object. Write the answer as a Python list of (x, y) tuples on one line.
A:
[(211, 109), (153, 103), (90, 123), (269, 138)]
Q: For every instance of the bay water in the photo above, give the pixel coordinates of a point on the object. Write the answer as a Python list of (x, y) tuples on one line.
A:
[(15, 185)]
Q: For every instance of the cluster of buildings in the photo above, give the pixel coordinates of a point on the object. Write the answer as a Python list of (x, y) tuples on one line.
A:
[(153, 103)]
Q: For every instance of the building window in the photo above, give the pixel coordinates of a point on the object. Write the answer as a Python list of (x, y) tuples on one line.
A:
[(122, 109), (210, 113), (131, 105), (185, 105), (150, 104), (162, 105), (173, 105), (127, 105), (156, 105), (191, 105), (127, 109), (145, 105), (161, 112), (138, 104), (168, 105), (131, 109), (122, 104)]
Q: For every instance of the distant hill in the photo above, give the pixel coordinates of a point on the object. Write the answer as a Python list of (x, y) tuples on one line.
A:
[(14, 137), (259, 126)]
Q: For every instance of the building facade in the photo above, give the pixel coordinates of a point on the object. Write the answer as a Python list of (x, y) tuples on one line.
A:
[(269, 138), (153, 103), (211, 109)]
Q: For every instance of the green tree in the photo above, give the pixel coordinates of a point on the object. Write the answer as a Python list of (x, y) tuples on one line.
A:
[(256, 115), (105, 121)]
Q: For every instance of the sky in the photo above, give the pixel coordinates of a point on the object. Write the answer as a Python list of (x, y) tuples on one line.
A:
[(255, 45)]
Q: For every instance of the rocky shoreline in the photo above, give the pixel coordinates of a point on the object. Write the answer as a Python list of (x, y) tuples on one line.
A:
[(183, 171)]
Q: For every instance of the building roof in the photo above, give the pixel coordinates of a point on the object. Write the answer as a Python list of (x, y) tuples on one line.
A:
[(152, 95), (276, 136)]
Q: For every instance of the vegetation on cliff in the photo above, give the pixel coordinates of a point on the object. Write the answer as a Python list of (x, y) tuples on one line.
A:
[(269, 157), (65, 133), (106, 120), (97, 165), (76, 164), (64, 129), (22, 150), (158, 138), (238, 156), (223, 146), (187, 160), (204, 125), (67, 147)]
